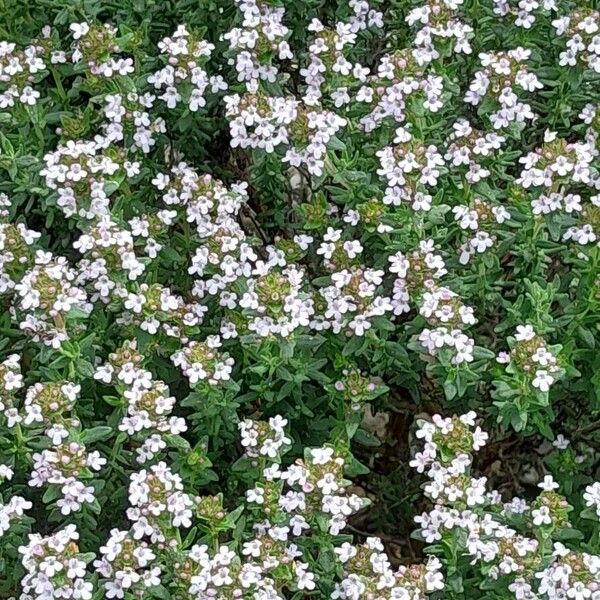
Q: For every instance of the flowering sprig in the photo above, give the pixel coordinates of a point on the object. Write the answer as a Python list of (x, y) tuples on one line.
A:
[(19, 70), (501, 81), (580, 28), (184, 78), (55, 564), (96, 47)]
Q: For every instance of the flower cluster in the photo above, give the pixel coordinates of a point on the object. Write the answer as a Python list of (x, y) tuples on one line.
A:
[(19, 70), (469, 147), (503, 77), (367, 571), (126, 565), (524, 13), (263, 438), (183, 78), (357, 389), (417, 277), (400, 77), (129, 122), (203, 361), (111, 252), (149, 403), (438, 21), (55, 567), (329, 71), (50, 404), (411, 170), (583, 43), (262, 36), (65, 465), (46, 297), (96, 48), (17, 244), (259, 121), (479, 221), (531, 359), (15, 508), (80, 173), (352, 300)]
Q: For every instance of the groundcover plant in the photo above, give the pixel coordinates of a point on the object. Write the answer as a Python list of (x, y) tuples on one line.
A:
[(300, 299)]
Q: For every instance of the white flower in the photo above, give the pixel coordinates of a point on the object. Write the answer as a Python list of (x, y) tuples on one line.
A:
[(524, 333), (548, 484), (561, 442), (542, 380), (79, 29)]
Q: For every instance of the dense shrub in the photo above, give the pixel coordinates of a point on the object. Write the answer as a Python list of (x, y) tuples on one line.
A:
[(255, 255)]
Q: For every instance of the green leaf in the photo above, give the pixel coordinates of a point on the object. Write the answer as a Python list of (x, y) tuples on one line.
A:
[(97, 434)]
